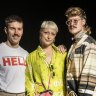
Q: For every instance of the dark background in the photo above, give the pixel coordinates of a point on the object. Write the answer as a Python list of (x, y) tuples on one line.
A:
[(35, 11)]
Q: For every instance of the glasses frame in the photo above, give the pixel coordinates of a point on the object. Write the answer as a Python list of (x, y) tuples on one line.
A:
[(75, 21)]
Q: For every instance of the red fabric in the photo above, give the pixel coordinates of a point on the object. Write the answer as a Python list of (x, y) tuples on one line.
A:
[(47, 94)]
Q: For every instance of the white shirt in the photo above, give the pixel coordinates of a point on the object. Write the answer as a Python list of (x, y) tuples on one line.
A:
[(12, 68)]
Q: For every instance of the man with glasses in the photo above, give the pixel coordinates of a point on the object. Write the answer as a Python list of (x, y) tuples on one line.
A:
[(81, 61)]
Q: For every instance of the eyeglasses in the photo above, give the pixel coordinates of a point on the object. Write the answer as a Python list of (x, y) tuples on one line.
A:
[(52, 70), (75, 21)]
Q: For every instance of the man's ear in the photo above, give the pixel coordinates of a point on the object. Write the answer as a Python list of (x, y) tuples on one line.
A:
[(84, 22), (5, 29)]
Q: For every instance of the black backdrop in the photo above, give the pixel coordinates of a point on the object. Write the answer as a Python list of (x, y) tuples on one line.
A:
[(34, 12)]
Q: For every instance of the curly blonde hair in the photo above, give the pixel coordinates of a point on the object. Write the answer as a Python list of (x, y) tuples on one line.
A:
[(77, 11)]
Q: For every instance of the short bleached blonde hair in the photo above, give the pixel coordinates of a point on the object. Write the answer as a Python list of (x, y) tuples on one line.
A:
[(49, 24)]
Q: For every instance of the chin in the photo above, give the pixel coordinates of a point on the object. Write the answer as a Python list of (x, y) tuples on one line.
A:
[(47, 45), (73, 32), (15, 43)]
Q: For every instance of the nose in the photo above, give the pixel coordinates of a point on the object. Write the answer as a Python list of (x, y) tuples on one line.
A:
[(49, 36), (72, 22), (16, 31)]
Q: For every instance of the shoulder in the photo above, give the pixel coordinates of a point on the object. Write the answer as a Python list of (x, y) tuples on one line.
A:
[(32, 54), (22, 50), (61, 55), (2, 44), (90, 40), (64, 54)]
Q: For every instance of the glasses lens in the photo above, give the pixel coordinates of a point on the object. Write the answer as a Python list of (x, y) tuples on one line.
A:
[(67, 23), (75, 21)]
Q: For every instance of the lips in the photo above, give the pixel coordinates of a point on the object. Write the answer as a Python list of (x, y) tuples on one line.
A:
[(15, 37), (49, 40)]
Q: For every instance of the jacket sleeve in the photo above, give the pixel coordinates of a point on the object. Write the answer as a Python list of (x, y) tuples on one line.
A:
[(88, 74), (29, 82)]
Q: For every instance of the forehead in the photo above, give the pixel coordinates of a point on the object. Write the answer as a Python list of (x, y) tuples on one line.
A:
[(74, 17), (15, 24), (49, 30)]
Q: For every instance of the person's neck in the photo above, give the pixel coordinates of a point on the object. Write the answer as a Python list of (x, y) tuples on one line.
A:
[(48, 52), (78, 36), (11, 45), (47, 49)]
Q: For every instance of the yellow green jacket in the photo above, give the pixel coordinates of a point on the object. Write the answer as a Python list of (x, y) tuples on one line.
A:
[(38, 73)]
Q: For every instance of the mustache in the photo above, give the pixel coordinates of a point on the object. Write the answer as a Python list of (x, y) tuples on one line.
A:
[(16, 35), (73, 26)]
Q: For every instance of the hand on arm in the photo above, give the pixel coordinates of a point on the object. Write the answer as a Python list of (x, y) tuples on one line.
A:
[(62, 48)]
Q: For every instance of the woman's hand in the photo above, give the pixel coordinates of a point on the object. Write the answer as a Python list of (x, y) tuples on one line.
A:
[(62, 48)]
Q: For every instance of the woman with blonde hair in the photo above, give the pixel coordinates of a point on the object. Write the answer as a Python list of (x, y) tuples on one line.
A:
[(45, 71)]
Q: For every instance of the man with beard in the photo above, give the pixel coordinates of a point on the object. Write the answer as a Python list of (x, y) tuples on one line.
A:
[(81, 61), (12, 59)]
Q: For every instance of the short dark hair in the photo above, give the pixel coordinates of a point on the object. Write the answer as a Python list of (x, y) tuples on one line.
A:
[(13, 18)]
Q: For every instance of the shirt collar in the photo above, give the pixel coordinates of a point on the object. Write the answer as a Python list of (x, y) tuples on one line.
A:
[(41, 53)]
